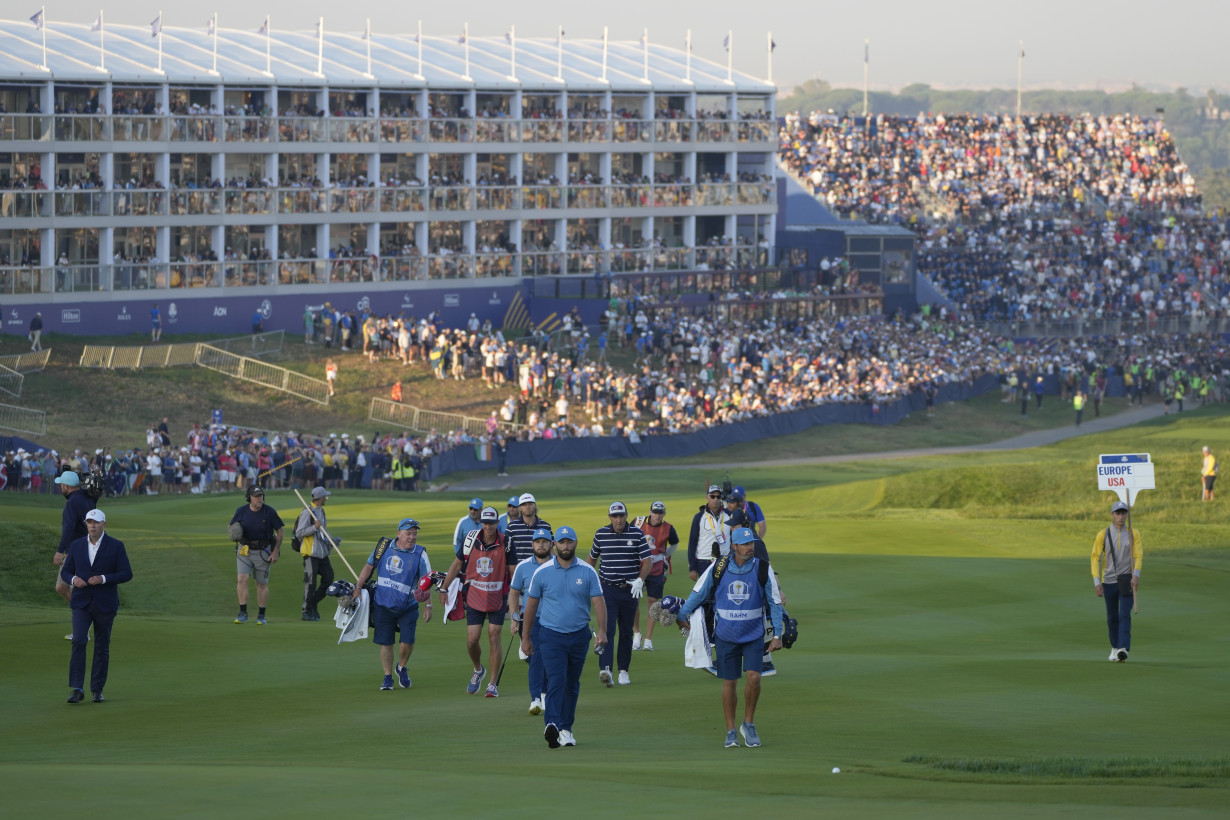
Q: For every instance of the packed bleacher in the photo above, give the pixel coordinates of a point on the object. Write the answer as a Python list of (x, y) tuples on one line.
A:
[(1060, 216)]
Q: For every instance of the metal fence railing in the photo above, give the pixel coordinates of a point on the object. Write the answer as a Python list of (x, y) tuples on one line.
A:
[(262, 373), (176, 355), (260, 344), (32, 362), (11, 381), (414, 418), (136, 358), (23, 420)]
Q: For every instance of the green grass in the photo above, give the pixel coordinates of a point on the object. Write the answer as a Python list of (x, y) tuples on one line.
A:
[(951, 662)]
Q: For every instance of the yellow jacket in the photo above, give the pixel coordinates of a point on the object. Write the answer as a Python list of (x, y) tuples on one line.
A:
[(1100, 564)]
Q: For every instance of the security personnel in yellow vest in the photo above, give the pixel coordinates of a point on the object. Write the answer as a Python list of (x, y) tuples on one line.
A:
[(1078, 404), (399, 474)]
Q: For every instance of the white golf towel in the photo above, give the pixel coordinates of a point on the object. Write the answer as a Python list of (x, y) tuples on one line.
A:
[(454, 589), (696, 653), (353, 623)]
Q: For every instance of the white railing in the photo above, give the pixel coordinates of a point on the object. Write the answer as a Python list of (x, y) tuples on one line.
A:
[(33, 362), (409, 417), (262, 373), (11, 381), (23, 420)]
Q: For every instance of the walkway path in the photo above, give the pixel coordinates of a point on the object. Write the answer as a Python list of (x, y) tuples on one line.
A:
[(1038, 438)]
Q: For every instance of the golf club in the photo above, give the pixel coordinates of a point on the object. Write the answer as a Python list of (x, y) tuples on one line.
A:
[(504, 662)]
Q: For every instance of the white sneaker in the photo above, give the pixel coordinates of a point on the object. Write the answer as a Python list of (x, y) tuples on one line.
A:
[(1114, 655), (535, 707), (647, 645), (566, 738), (604, 677), (1121, 655), (624, 680), (636, 641)]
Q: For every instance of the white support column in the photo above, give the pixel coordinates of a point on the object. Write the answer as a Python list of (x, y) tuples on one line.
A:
[(421, 238)]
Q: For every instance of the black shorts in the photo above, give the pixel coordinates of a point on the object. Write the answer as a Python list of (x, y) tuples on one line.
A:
[(1208, 482), (475, 617), (654, 585)]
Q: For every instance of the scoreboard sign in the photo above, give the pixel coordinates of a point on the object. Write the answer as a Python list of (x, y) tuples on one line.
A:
[(1125, 474)]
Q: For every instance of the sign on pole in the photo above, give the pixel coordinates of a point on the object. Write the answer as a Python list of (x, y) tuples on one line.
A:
[(1125, 474)]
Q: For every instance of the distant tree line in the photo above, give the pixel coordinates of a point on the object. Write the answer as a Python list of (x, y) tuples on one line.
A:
[(1196, 123)]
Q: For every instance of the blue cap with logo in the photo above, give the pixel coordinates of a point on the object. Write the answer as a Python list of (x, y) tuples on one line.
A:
[(543, 532), (565, 534), (408, 524), (736, 494), (742, 536), (513, 502), (476, 503)]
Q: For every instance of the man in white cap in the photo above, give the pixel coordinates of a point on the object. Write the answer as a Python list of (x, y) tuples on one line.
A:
[(93, 568), (623, 559), (313, 544)]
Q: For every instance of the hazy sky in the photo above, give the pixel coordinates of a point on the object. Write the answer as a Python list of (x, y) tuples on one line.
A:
[(1068, 43)]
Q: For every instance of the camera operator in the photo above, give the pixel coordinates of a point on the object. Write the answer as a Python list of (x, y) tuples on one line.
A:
[(256, 549)]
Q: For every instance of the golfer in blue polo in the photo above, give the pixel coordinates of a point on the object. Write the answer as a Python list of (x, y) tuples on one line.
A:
[(560, 596)]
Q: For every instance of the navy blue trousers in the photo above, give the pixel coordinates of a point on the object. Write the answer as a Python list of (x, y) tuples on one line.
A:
[(563, 660), (1118, 616), (620, 611), (83, 619)]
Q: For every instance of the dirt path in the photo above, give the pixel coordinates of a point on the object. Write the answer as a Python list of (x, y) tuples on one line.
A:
[(1037, 438)]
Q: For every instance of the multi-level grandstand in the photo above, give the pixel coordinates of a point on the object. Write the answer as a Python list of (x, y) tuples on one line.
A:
[(226, 173)]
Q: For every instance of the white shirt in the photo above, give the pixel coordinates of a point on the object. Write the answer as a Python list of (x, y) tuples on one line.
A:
[(94, 545)]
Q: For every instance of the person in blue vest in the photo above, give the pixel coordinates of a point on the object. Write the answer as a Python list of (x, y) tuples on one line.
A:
[(559, 598), (543, 543), (398, 569), (743, 589)]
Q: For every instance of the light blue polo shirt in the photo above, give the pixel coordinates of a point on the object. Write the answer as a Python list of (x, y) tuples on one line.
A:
[(521, 579), (565, 594)]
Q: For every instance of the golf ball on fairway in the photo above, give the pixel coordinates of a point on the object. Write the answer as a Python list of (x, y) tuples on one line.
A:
[(836, 770)]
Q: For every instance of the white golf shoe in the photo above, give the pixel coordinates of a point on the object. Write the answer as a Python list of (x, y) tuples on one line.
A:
[(1121, 655), (535, 707), (604, 677), (647, 645), (636, 641), (624, 680), (566, 738), (1114, 656)]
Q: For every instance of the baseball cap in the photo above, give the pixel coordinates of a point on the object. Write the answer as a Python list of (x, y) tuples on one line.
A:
[(565, 534), (408, 524), (320, 492), (489, 514), (96, 515), (657, 506), (69, 479), (543, 532), (737, 519), (526, 499), (713, 488), (736, 495), (1118, 506), (476, 503), (513, 501), (742, 536), (617, 508), (256, 490)]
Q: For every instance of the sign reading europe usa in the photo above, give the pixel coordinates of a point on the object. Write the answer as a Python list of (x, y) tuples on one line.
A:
[(1125, 474)]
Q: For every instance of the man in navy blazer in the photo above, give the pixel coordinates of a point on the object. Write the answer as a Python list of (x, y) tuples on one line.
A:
[(94, 567)]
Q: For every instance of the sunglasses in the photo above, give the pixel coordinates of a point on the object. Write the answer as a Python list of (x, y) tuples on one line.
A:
[(715, 495)]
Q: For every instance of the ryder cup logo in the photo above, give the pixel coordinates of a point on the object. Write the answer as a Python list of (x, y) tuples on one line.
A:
[(650, 540), (395, 564), (739, 591), (485, 566), (172, 312), (266, 309)]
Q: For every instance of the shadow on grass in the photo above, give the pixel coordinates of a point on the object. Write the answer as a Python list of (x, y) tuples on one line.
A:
[(1180, 772)]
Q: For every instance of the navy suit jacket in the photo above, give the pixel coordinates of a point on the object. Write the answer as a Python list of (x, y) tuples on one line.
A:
[(111, 561)]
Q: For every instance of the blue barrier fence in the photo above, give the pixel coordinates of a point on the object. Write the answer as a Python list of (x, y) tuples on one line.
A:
[(549, 451)]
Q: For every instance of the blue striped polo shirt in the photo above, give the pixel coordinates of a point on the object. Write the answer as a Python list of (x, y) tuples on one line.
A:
[(620, 553)]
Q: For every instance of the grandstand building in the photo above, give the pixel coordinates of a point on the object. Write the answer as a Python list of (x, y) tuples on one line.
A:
[(222, 173)]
